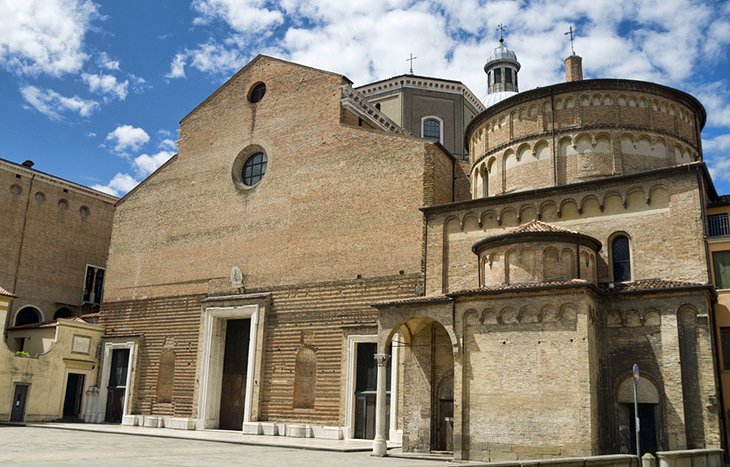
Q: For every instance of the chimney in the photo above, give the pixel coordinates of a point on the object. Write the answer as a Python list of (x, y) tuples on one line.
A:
[(573, 68)]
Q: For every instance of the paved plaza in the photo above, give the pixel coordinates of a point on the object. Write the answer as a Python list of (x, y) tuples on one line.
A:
[(36, 445)]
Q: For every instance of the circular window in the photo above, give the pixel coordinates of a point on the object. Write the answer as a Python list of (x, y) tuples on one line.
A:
[(254, 169), (256, 93)]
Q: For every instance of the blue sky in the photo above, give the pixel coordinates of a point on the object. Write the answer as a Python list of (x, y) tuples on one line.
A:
[(93, 91)]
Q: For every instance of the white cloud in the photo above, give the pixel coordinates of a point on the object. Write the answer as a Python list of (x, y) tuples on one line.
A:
[(52, 104), (657, 40), (127, 138), (177, 67), (249, 16), (44, 36), (107, 63), (106, 85), (145, 164), (168, 144), (119, 185)]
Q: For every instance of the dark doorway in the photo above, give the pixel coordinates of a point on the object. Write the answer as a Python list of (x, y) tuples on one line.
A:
[(647, 428), (74, 395), (445, 433), (17, 413), (117, 387), (366, 386), (235, 366)]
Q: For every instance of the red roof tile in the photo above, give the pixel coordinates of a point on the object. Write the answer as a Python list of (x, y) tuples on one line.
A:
[(539, 226)]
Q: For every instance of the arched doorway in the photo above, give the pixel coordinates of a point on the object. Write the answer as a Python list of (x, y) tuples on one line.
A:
[(648, 411), (427, 400)]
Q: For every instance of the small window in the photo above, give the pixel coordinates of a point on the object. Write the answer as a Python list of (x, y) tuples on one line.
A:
[(717, 225), (254, 169), (489, 78), (497, 76), (256, 93), (377, 105), (508, 75), (93, 285), (28, 315), (621, 259), (721, 265), (431, 129)]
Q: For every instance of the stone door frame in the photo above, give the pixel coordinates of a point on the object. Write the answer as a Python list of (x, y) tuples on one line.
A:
[(216, 313)]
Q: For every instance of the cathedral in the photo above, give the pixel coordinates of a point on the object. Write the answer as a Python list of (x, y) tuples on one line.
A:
[(405, 263)]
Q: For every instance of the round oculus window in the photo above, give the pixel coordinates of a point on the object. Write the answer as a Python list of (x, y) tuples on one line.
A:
[(256, 93), (254, 169)]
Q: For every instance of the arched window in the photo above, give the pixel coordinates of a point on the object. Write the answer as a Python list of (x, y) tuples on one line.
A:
[(28, 315), (621, 258), (63, 312), (305, 378), (431, 128)]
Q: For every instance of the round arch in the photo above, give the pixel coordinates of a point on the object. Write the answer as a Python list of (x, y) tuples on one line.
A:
[(28, 315)]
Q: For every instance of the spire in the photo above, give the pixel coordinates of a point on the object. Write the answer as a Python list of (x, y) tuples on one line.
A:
[(574, 63), (410, 59), (501, 69)]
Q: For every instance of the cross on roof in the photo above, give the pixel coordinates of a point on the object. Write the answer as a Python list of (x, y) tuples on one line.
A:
[(410, 59), (501, 28), (571, 33)]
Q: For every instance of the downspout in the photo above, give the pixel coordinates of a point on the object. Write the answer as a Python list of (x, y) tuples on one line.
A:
[(424, 266)]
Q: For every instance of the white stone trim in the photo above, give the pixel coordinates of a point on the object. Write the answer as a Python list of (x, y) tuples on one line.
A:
[(348, 431), (105, 372), (214, 321), (441, 126)]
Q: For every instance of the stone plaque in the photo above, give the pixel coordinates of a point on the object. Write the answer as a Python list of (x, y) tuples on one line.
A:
[(81, 344)]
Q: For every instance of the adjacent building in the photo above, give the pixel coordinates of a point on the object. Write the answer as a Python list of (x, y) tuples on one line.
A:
[(54, 242)]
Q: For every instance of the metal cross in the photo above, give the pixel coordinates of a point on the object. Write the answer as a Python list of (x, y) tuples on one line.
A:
[(410, 59), (571, 33), (501, 28)]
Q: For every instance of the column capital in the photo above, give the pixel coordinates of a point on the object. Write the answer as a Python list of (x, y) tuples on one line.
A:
[(382, 358)]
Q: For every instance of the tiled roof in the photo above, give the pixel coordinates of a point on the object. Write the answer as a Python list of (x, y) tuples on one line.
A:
[(648, 284), (539, 226), (615, 287), (421, 299), (5, 293)]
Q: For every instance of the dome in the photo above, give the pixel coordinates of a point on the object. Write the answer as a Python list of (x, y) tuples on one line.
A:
[(497, 97), (502, 53)]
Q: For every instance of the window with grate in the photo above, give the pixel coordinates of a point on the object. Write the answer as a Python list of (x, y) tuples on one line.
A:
[(621, 259), (93, 285), (254, 169), (431, 129), (717, 225)]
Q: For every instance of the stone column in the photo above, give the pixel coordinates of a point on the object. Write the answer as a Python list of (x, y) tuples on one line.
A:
[(380, 446)]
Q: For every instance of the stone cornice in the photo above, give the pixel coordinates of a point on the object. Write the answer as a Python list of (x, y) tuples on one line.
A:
[(588, 85), (56, 181), (357, 103), (421, 82)]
